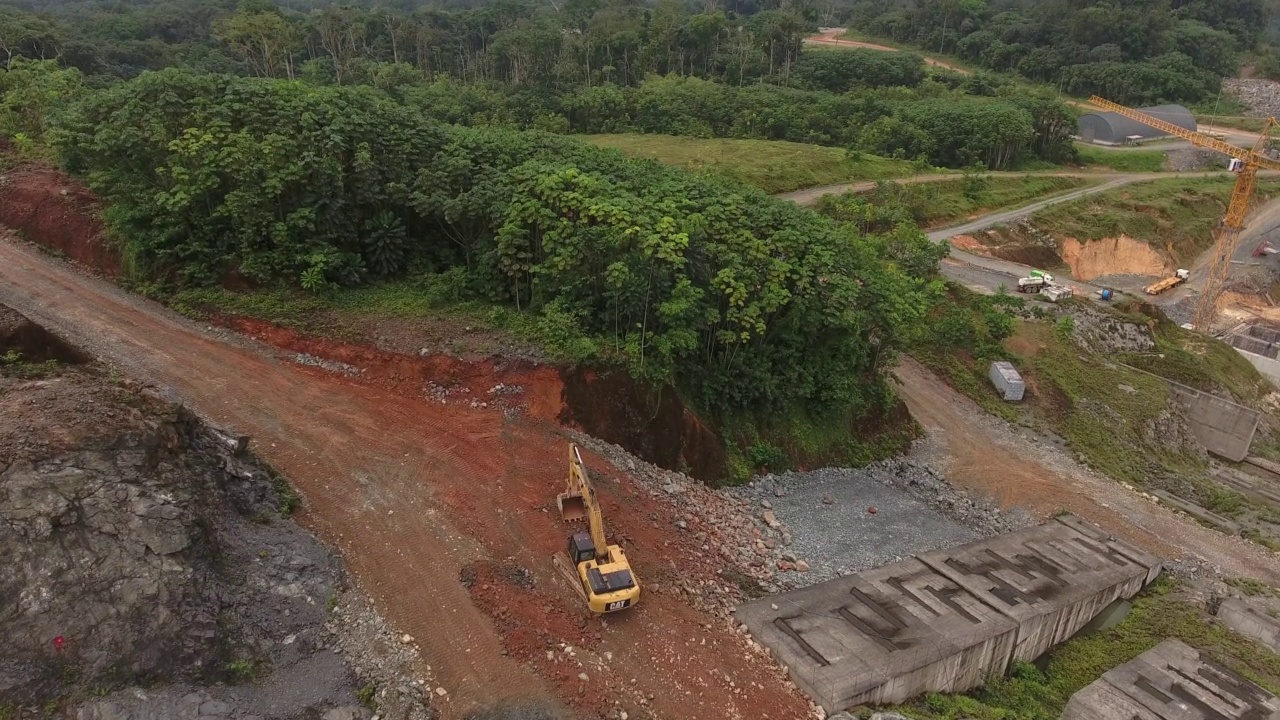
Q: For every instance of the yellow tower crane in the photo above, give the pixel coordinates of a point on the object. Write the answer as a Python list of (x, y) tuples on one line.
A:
[(1228, 232)]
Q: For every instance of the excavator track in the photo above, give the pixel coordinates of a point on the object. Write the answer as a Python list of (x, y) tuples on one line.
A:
[(569, 573)]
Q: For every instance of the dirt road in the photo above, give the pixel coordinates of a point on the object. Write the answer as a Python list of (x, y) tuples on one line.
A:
[(981, 272), (991, 457), (441, 512), (831, 37)]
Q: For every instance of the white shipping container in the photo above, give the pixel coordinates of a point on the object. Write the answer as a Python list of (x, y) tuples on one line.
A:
[(1007, 380)]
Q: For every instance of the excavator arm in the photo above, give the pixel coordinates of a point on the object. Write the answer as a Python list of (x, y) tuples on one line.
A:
[(1198, 139), (578, 502)]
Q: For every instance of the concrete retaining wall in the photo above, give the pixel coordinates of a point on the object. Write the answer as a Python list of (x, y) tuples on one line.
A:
[(1267, 366), (941, 621), (1172, 681), (1247, 620), (1223, 427)]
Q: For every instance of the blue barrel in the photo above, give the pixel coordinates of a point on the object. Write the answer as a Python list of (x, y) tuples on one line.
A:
[(1106, 294)]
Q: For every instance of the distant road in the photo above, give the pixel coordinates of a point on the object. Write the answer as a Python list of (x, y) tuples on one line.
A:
[(987, 274)]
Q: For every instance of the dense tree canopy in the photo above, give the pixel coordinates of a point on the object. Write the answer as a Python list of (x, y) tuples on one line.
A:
[(743, 301), (1134, 51)]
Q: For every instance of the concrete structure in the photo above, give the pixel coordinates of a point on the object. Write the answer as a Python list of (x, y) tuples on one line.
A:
[(1202, 514), (1250, 622), (1259, 343), (1007, 380), (941, 621), (1108, 128), (1172, 681), (1269, 367), (1222, 427)]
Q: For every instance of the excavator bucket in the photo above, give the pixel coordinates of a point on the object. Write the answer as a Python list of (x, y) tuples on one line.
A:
[(572, 502), (573, 507)]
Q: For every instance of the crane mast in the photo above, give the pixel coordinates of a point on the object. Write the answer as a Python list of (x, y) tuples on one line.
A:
[(1227, 234)]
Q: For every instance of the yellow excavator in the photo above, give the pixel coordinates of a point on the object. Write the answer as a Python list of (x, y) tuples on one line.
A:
[(596, 569)]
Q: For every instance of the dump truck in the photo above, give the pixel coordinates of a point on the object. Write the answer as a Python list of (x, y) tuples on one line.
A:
[(1160, 286)]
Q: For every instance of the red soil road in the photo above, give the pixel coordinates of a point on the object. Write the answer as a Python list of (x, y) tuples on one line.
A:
[(413, 491)]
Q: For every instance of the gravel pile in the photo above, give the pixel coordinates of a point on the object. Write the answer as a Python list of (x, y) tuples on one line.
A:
[(332, 366), (838, 521), (1262, 97), (1191, 159), (795, 529)]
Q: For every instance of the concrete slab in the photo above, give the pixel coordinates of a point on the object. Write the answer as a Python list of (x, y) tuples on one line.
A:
[(1051, 579), (881, 636), (1172, 681), (1207, 517), (941, 621), (1251, 622)]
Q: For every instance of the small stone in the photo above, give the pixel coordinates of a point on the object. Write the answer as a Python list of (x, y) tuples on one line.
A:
[(682, 525), (441, 692), (789, 556), (778, 491), (406, 639), (828, 499), (785, 565), (770, 543), (766, 504), (872, 510), (623, 715), (583, 677), (802, 566), (770, 519)]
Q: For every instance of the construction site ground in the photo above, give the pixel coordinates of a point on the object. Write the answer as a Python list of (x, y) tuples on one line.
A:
[(438, 488), (446, 515)]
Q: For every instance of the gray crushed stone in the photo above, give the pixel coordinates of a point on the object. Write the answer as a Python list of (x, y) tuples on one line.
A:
[(1261, 97), (333, 366), (826, 516)]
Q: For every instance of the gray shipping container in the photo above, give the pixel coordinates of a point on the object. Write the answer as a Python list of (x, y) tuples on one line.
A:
[(1007, 380)]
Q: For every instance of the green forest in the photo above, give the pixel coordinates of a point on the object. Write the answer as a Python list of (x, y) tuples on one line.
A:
[(1135, 52), (315, 147)]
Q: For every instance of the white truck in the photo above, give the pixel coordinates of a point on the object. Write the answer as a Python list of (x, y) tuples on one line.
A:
[(1032, 284)]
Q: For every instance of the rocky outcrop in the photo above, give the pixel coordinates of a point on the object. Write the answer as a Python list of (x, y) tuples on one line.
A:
[(143, 548)]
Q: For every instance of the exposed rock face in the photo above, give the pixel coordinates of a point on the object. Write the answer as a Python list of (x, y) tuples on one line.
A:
[(1262, 97), (140, 546)]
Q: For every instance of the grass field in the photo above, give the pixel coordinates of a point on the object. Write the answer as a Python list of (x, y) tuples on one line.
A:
[(939, 204), (1179, 214), (772, 165), (1121, 160)]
